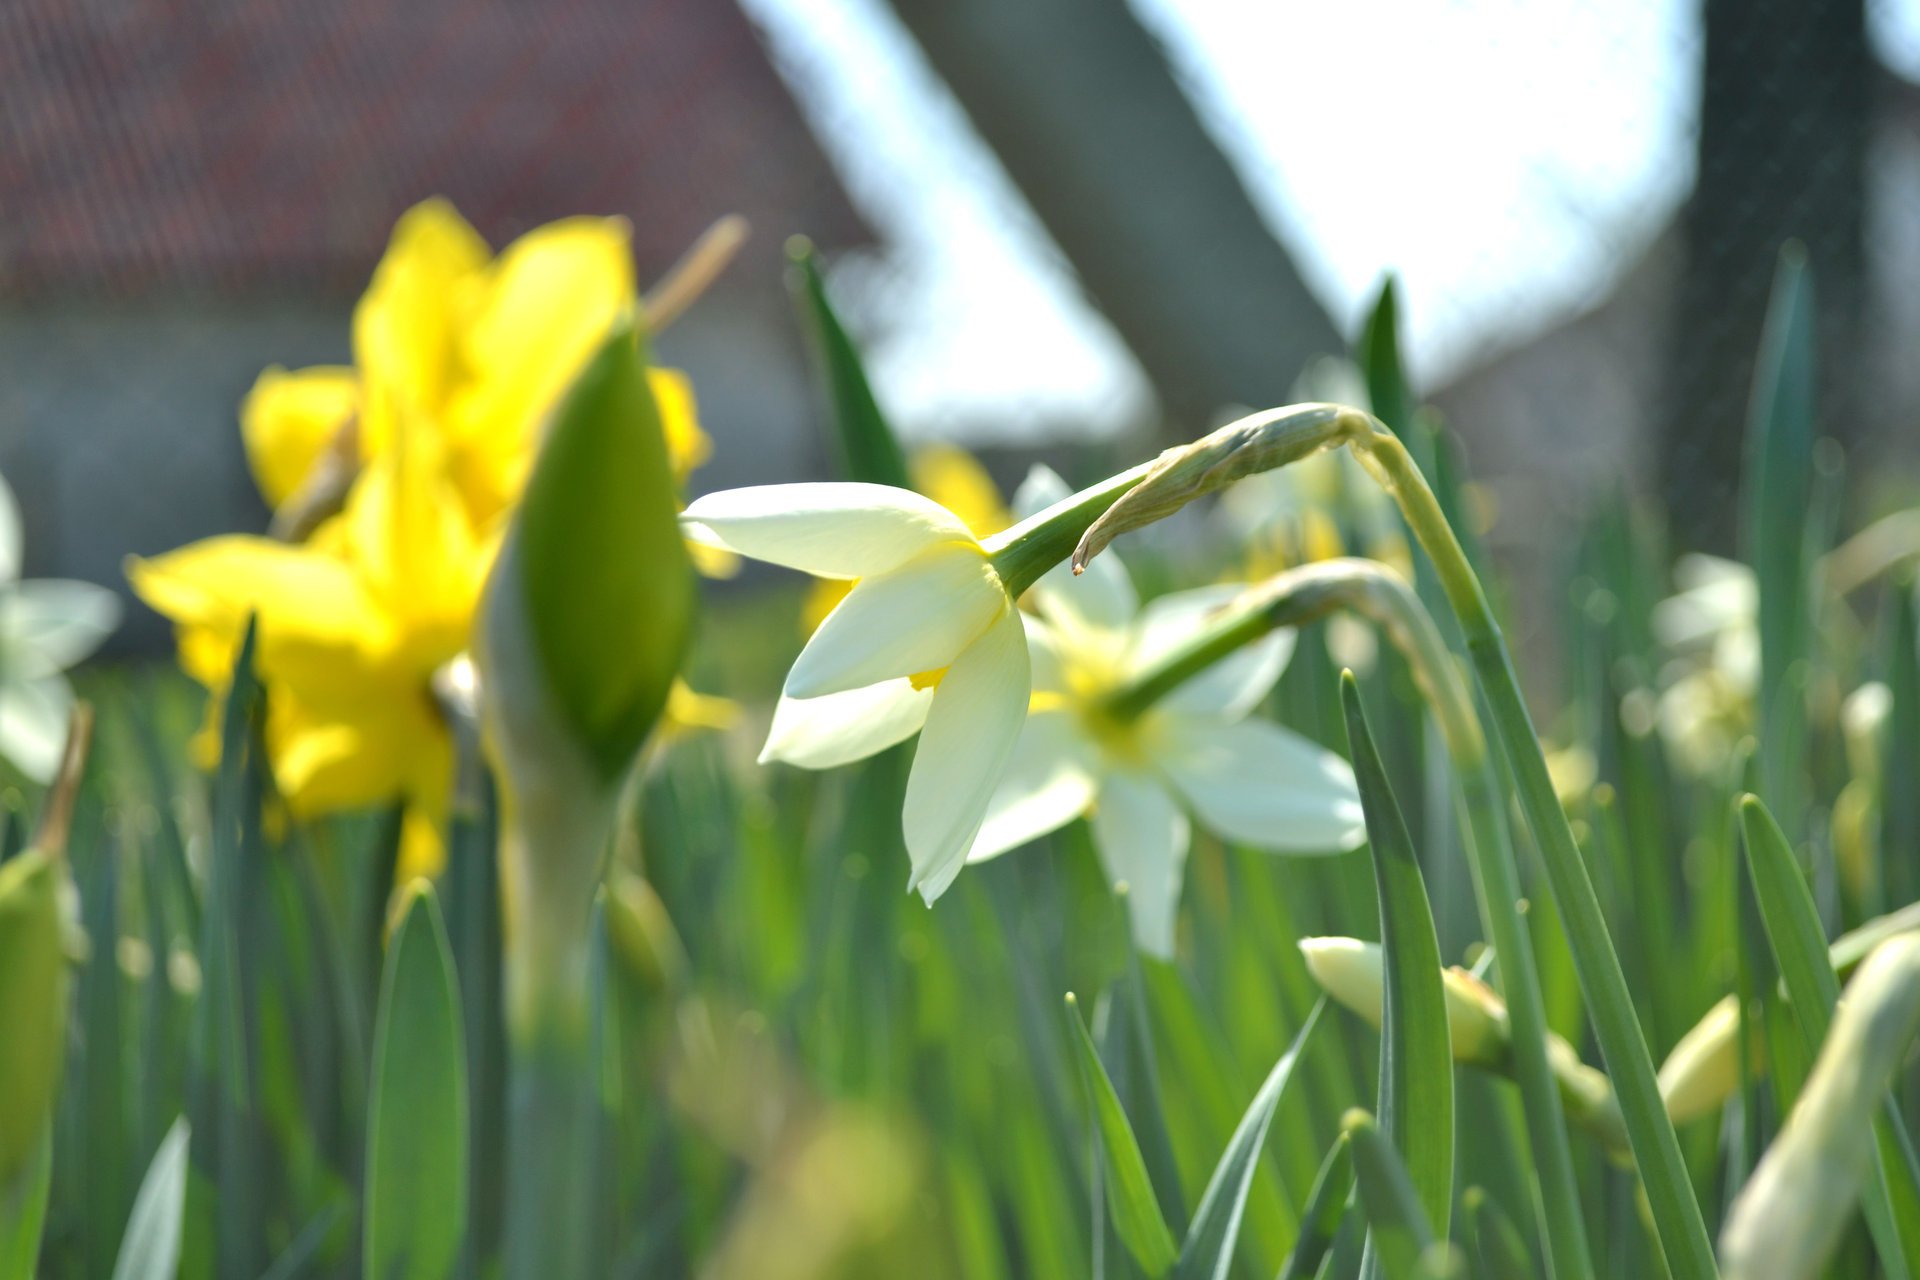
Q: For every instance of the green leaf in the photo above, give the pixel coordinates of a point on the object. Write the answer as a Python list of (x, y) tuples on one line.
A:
[(1778, 497), (151, 1248), (868, 448), (590, 605), (1130, 1196), (33, 1005), (416, 1194), (23, 1213), (1892, 1204), (1397, 1224), (1416, 1053), (1388, 393), (1500, 1251), (1326, 1208), (1207, 1253)]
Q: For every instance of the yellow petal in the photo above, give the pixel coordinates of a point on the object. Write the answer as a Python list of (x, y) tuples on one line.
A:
[(287, 422), (547, 304), (406, 329), (687, 445), (955, 479), (423, 848), (714, 562), (689, 711), (412, 546)]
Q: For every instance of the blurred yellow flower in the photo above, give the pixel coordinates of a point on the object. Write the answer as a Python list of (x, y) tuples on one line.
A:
[(352, 628), (474, 348)]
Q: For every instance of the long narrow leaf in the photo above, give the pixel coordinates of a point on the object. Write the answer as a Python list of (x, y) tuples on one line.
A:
[(1207, 1253), (1892, 1204), (23, 1214), (1326, 1209), (868, 446), (416, 1198), (1501, 1253), (1396, 1222), (151, 1248), (1416, 1054), (1130, 1197)]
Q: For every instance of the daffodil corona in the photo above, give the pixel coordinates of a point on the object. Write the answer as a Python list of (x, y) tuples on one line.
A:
[(1137, 777)]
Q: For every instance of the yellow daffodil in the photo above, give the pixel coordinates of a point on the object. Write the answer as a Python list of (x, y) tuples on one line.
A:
[(1196, 749), (474, 348), (351, 629), (927, 641)]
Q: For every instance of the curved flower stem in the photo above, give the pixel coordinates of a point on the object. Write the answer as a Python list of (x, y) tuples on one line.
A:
[(1026, 551), (1305, 594), (1677, 1220)]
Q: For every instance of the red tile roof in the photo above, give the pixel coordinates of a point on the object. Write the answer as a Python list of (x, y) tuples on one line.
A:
[(236, 146)]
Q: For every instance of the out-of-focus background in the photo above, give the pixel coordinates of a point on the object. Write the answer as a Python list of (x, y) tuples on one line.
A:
[(1077, 221)]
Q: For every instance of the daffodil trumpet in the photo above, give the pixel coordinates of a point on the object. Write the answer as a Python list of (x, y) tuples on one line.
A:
[(1278, 437)]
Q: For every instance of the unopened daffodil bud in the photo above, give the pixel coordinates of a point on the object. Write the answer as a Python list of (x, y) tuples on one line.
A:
[(1353, 973), (586, 619)]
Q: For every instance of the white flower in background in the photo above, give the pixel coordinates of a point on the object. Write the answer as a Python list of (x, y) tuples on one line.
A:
[(46, 626), (927, 641), (1710, 627), (1195, 749)]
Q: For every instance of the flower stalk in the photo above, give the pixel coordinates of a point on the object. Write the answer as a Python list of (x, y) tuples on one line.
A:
[(1375, 592), (1281, 436)]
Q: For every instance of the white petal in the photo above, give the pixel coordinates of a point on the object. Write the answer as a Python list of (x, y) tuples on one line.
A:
[(832, 530), (1048, 783), (1143, 837), (825, 733), (33, 724), (1101, 599), (1262, 785), (56, 621), (10, 535), (914, 619), (1230, 688), (1043, 655), (970, 734)]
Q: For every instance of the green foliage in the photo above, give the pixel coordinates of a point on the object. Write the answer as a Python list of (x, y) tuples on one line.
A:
[(1416, 1056), (416, 1199), (869, 450), (1130, 1195), (151, 1250)]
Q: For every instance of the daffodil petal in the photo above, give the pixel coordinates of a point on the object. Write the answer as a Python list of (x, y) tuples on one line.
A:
[(1041, 489), (288, 422), (33, 724), (1043, 655), (1143, 836), (1228, 689), (1261, 785), (969, 736), (825, 733), (839, 530), (10, 534), (916, 618), (1048, 783), (52, 623)]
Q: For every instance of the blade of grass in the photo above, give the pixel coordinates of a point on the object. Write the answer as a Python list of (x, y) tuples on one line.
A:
[(868, 447), (1416, 1055), (23, 1214), (1130, 1194), (1498, 1249), (415, 1213), (1207, 1252), (1892, 1204), (151, 1248), (1326, 1209), (1397, 1225)]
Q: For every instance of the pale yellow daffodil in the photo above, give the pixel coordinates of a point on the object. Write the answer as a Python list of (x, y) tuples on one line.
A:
[(351, 629), (927, 641)]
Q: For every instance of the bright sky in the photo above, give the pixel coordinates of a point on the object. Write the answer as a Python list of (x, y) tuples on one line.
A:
[(1533, 149)]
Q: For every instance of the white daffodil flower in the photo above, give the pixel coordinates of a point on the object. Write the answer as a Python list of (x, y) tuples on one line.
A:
[(46, 626), (1194, 750), (1710, 626), (927, 641)]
